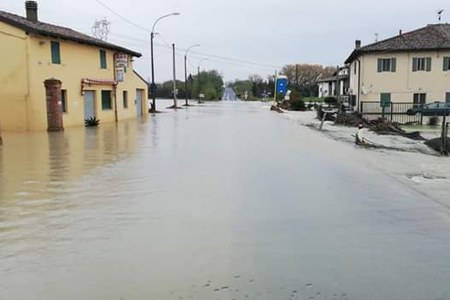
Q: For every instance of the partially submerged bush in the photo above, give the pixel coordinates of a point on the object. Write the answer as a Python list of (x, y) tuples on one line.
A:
[(91, 122), (298, 105)]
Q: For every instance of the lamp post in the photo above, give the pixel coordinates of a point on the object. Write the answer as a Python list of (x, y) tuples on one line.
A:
[(185, 72), (198, 78), (152, 35)]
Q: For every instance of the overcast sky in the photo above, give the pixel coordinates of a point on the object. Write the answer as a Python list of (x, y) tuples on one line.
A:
[(249, 36)]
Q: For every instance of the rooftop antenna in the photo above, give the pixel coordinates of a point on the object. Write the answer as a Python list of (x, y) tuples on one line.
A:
[(376, 37), (100, 29), (439, 14)]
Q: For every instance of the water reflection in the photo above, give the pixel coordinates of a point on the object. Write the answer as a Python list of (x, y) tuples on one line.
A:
[(36, 168)]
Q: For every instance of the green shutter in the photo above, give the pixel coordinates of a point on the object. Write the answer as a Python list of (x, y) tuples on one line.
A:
[(446, 63), (393, 64), (56, 55), (415, 64), (428, 62), (380, 65), (103, 64)]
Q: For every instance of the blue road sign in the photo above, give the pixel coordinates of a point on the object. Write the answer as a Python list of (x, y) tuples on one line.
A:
[(282, 85)]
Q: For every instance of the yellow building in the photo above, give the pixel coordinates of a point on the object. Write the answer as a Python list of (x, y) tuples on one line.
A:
[(412, 67), (97, 78)]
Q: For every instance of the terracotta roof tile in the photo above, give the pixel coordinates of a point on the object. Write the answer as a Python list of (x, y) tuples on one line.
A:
[(431, 37), (50, 30)]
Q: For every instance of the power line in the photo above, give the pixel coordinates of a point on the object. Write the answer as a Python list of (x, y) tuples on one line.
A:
[(122, 17), (231, 60), (201, 55)]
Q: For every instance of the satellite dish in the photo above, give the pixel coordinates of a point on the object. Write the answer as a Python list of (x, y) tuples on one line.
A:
[(364, 90)]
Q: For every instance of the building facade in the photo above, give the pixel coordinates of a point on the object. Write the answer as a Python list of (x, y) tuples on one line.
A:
[(97, 78), (327, 86), (411, 67)]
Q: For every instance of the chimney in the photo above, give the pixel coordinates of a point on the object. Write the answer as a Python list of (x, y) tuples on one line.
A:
[(400, 32), (357, 44), (31, 9)]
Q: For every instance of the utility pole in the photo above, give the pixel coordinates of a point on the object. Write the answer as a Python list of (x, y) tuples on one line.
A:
[(275, 88), (152, 36), (152, 85), (174, 80), (185, 72), (199, 83), (185, 81)]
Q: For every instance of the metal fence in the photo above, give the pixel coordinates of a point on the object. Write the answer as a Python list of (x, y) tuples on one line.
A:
[(395, 112)]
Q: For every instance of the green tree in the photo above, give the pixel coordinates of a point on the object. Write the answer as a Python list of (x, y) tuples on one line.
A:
[(209, 83)]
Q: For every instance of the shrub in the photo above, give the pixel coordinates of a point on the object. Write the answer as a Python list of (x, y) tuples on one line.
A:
[(433, 121), (298, 105), (330, 100)]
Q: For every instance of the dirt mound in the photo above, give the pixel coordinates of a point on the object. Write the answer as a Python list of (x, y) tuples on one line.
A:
[(329, 116), (380, 126), (277, 109), (436, 144)]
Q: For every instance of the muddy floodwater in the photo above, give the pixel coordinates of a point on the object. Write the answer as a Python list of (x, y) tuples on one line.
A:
[(220, 201)]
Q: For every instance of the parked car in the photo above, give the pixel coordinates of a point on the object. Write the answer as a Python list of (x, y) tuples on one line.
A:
[(431, 109)]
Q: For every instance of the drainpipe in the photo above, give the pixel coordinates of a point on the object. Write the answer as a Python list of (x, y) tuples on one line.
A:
[(359, 85), (116, 116), (1, 140)]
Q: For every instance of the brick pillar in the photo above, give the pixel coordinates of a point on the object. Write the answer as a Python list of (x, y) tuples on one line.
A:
[(54, 109)]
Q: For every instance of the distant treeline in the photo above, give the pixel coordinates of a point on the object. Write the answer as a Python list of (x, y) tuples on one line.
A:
[(208, 83), (302, 81)]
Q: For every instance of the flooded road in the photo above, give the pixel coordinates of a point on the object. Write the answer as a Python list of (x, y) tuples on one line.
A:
[(222, 201)]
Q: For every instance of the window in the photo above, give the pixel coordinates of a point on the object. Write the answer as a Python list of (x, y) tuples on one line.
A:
[(421, 64), (354, 68), (447, 97), (56, 55), (446, 63), (419, 99), (106, 100), (387, 64), (385, 99), (103, 64), (64, 101), (125, 99)]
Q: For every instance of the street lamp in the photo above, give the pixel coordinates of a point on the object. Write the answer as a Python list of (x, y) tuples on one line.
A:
[(185, 72), (198, 78), (152, 35)]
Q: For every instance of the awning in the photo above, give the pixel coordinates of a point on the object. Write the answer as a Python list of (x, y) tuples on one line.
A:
[(86, 82)]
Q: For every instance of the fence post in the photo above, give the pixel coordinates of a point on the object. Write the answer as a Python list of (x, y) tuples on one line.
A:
[(392, 108)]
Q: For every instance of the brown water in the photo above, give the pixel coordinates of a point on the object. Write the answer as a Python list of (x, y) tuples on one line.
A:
[(222, 201)]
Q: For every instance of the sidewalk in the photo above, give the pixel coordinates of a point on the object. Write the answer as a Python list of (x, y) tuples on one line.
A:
[(416, 165)]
